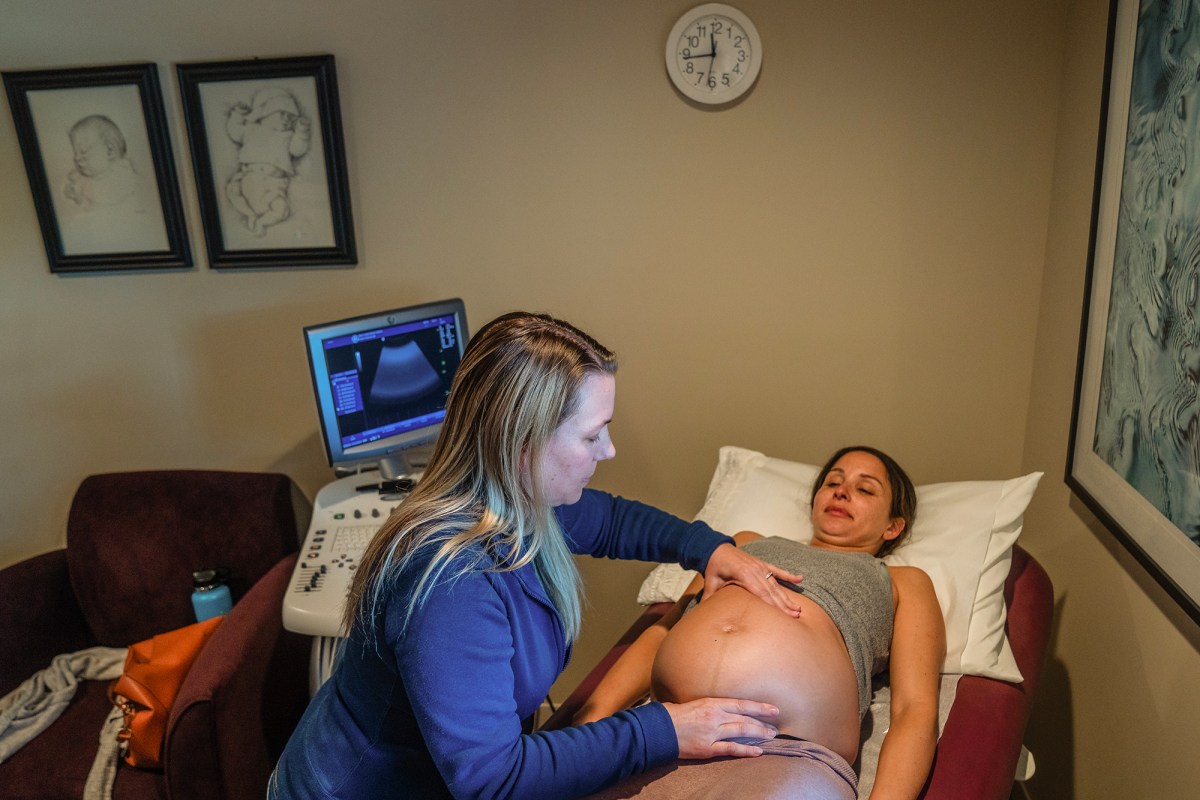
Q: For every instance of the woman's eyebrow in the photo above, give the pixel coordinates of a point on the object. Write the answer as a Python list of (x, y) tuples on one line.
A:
[(842, 473), (594, 430)]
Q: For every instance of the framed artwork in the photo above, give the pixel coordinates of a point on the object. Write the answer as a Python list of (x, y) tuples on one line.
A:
[(266, 143), (1135, 449), (98, 157)]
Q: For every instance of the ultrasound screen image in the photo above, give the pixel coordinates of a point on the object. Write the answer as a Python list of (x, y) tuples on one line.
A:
[(390, 380)]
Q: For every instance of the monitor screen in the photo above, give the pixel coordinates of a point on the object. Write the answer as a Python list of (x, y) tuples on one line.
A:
[(381, 380)]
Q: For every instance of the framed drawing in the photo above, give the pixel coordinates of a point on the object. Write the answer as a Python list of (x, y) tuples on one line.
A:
[(266, 143), (98, 157), (1135, 450)]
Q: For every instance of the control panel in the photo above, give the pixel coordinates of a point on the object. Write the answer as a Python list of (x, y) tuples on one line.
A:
[(346, 516)]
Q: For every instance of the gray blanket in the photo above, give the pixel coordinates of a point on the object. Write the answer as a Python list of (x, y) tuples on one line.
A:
[(34, 706)]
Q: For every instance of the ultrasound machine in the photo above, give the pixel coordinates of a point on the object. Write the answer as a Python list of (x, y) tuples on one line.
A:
[(381, 383)]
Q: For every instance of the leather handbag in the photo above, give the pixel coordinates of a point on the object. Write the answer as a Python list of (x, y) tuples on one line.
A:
[(154, 671)]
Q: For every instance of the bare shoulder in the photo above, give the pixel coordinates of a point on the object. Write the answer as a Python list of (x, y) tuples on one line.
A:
[(913, 577), (912, 587)]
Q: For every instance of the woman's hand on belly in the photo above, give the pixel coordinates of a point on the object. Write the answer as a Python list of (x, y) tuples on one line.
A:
[(703, 726)]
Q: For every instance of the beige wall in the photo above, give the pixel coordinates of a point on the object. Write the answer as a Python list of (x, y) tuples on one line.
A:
[(884, 242)]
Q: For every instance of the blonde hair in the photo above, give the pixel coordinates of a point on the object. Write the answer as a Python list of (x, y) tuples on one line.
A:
[(519, 379)]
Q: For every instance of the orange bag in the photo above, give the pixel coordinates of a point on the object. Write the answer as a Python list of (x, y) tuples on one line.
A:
[(146, 690)]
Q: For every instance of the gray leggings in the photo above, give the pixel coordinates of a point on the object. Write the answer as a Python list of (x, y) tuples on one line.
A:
[(789, 769)]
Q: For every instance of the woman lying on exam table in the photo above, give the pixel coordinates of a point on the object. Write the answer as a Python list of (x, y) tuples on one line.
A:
[(816, 669), (462, 613)]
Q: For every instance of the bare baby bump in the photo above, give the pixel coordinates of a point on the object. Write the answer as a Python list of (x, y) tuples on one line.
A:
[(735, 645)]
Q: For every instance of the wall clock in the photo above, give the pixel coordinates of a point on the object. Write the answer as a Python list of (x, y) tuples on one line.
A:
[(714, 53)]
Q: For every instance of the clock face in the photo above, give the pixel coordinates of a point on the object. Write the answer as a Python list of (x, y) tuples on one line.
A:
[(714, 54)]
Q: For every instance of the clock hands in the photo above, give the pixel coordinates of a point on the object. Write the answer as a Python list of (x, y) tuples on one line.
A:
[(732, 66), (712, 49)]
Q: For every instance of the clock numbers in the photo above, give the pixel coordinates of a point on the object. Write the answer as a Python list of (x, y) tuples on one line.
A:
[(714, 52)]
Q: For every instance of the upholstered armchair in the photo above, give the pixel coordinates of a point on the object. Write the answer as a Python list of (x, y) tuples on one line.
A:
[(133, 540)]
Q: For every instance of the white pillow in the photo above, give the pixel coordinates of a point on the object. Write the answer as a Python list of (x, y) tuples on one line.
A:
[(962, 537)]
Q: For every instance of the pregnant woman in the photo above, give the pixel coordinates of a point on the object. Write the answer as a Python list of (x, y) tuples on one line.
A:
[(858, 617)]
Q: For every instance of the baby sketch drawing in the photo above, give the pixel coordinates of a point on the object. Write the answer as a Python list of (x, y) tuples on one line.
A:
[(103, 175), (272, 135)]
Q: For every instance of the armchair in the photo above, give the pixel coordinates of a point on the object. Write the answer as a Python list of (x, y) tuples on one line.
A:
[(133, 540)]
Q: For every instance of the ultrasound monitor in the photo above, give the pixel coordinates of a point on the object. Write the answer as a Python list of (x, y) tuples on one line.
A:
[(381, 383)]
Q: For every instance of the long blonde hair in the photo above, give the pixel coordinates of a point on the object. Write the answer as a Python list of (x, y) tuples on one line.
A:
[(519, 379)]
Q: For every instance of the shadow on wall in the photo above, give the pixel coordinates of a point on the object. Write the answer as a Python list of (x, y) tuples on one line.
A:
[(1146, 582), (269, 414), (1050, 735), (305, 462), (1097, 630)]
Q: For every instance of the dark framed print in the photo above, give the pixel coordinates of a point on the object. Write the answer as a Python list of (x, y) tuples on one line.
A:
[(98, 157), (1135, 446), (267, 148)]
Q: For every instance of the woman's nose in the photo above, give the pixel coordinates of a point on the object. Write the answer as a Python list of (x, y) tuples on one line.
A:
[(609, 450)]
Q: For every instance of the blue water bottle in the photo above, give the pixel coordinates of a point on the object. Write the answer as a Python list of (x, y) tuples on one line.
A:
[(210, 595)]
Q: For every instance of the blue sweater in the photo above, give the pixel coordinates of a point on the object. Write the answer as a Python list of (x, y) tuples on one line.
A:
[(435, 710)]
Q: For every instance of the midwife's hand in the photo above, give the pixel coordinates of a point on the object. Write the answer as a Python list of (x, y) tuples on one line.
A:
[(701, 725), (728, 564)]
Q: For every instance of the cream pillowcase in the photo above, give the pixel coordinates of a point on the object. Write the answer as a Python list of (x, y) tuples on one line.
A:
[(962, 537)]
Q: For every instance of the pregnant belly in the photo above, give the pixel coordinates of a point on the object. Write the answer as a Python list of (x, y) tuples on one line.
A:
[(735, 645)]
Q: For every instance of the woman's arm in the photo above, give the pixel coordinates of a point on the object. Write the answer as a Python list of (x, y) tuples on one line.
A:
[(461, 692), (918, 647), (603, 525)]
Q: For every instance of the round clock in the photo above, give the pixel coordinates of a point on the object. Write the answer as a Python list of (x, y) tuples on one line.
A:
[(714, 53)]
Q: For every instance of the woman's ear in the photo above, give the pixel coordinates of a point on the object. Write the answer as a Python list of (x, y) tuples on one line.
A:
[(525, 467), (525, 459), (894, 528)]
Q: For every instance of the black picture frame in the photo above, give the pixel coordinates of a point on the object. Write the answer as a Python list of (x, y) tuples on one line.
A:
[(98, 157), (1135, 440), (266, 142)]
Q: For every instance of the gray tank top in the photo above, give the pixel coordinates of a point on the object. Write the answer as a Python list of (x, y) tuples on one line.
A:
[(855, 589)]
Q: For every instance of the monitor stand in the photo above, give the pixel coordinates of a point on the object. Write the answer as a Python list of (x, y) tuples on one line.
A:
[(406, 463)]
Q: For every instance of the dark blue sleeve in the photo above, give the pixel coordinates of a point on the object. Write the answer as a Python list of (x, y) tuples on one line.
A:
[(457, 661), (607, 526)]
